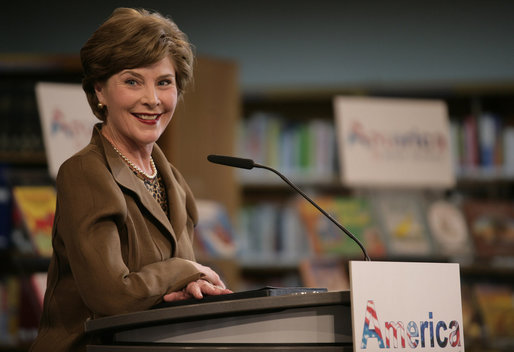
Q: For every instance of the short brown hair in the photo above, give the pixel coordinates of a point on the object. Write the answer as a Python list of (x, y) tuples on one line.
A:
[(132, 38)]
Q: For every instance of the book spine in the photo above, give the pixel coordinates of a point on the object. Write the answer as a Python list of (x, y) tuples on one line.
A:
[(487, 133), (302, 149)]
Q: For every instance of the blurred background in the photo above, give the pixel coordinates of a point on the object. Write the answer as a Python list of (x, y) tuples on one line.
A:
[(266, 75), (303, 44)]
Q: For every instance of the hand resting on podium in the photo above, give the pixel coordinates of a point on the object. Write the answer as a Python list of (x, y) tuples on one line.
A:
[(209, 284)]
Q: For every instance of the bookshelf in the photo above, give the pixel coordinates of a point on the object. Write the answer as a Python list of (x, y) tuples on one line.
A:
[(478, 181), (23, 162)]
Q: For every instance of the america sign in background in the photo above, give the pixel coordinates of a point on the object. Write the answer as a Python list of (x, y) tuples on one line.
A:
[(393, 142), (66, 121)]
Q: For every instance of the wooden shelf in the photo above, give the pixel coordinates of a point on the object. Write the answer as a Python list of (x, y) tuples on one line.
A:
[(16, 263), (23, 158)]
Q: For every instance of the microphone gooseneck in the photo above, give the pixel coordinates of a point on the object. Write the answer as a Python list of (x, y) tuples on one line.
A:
[(250, 164)]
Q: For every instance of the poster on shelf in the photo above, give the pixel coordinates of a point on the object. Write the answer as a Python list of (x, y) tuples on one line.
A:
[(394, 142), (66, 121)]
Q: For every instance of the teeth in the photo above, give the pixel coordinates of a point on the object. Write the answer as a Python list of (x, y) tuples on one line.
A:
[(146, 117)]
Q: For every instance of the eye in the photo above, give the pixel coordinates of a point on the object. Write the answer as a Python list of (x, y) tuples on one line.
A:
[(165, 82), (131, 82)]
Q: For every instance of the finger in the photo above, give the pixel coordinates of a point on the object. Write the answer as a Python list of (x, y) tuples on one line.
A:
[(210, 289), (176, 296), (193, 288), (210, 275), (217, 281)]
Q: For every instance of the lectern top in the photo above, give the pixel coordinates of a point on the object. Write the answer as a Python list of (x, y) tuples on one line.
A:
[(205, 310)]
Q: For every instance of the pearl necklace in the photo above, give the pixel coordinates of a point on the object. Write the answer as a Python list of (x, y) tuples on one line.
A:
[(136, 168)]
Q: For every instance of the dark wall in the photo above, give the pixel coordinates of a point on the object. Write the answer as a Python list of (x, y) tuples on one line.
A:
[(304, 44)]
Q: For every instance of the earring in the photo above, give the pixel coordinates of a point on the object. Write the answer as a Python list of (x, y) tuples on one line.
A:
[(100, 106)]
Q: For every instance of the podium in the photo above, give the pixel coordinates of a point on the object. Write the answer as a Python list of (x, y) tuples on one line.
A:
[(390, 305), (308, 321)]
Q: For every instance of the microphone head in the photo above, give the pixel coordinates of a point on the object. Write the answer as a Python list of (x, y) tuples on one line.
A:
[(231, 161)]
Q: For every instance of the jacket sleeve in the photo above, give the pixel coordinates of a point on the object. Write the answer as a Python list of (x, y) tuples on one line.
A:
[(91, 212)]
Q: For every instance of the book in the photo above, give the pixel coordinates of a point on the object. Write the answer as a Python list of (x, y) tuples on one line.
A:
[(31, 309), (470, 143), (37, 283), (488, 135), (20, 309), (354, 213), (9, 310), (304, 150), (258, 229), (36, 205), (471, 318), (402, 218), (292, 241), (214, 234), (495, 302), (508, 150), (449, 229), (269, 232), (491, 225), (480, 145)]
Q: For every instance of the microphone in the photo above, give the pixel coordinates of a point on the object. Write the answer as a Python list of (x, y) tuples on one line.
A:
[(232, 161), (250, 164)]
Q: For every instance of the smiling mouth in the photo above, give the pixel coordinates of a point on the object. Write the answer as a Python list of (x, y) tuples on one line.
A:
[(147, 117)]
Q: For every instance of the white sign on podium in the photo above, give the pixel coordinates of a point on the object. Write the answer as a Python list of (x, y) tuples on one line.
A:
[(406, 306)]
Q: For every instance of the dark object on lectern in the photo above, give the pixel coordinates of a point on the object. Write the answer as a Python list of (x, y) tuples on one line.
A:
[(261, 292)]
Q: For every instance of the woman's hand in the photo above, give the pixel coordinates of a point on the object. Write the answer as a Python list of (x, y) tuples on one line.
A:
[(196, 289), (209, 284), (208, 274)]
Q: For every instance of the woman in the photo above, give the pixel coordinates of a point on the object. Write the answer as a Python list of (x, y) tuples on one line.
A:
[(123, 228)]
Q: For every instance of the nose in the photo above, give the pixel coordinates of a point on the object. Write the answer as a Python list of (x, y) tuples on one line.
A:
[(151, 96)]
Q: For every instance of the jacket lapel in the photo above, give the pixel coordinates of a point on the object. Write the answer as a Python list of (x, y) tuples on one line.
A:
[(126, 178), (174, 191)]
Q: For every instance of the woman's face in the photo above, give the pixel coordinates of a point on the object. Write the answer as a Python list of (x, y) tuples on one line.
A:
[(140, 103)]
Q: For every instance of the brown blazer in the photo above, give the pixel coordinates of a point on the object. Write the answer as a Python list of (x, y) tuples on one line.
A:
[(115, 250)]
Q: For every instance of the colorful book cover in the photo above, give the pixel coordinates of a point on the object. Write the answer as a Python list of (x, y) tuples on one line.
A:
[(214, 231), (487, 137), (402, 217), (354, 214), (496, 305), (292, 241), (471, 318), (491, 224), (449, 229), (37, 207)]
